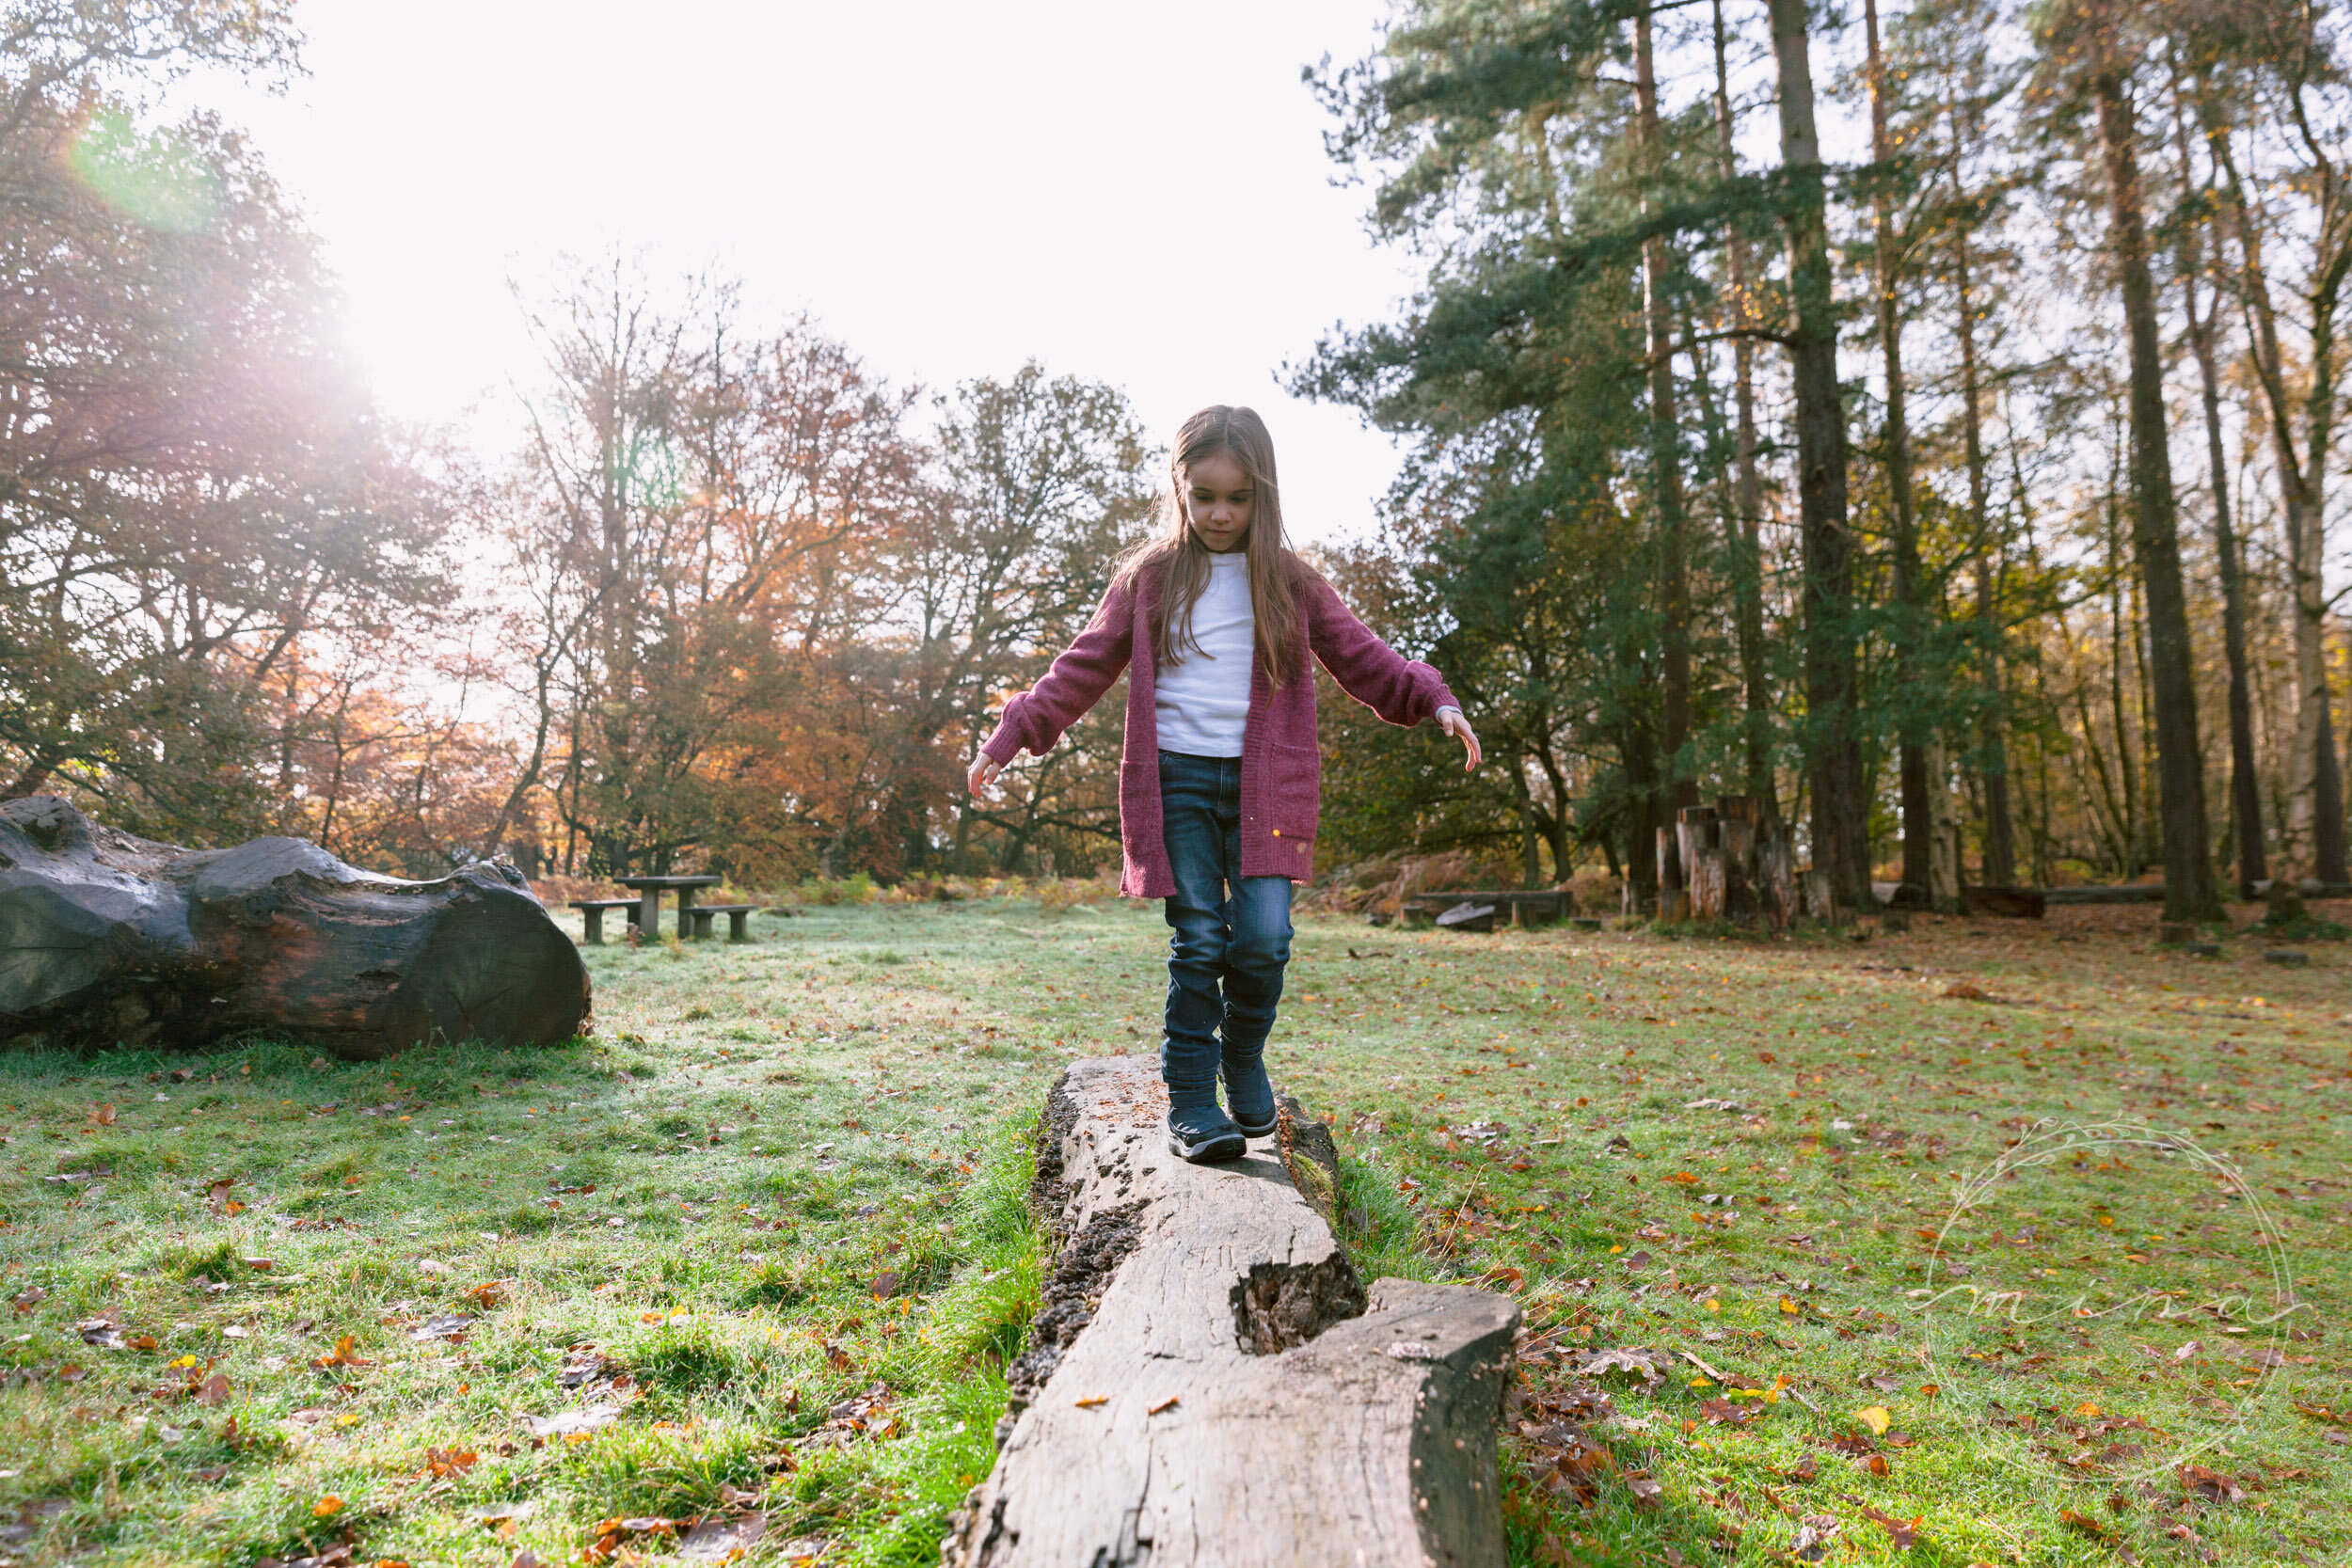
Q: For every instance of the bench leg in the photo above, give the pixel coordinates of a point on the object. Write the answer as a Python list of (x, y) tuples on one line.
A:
[(593, 935), (688, 926), (702, 919), (649, 914), (739, 926)]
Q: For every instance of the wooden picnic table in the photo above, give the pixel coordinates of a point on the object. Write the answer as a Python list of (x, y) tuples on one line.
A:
[(649, 891)]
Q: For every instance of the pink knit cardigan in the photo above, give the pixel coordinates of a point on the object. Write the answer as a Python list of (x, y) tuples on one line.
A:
[(1281, 765)]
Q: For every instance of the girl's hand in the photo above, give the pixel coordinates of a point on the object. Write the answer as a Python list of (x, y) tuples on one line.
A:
[(1451, 720), (982, 780)]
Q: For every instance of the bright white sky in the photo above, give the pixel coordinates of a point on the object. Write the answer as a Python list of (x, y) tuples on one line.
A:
[(1131, 193)]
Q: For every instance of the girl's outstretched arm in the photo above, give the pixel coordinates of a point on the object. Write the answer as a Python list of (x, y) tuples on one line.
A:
[(1079, 676)]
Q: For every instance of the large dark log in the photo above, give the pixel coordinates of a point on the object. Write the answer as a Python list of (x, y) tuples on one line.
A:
[(109, 939), (2007, 903), (1208, 1383)]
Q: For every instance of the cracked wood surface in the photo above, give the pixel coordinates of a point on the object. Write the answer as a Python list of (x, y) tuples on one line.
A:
[(1208, 1383)]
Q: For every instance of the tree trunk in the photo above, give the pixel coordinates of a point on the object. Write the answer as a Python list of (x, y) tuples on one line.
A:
[(2246, 811), (1207, 1382), (119, 941), (1841, 850), (2311, 837), (1746, 547), (2000, 843), (1911, 741), (1673, 571), (2190, 891)]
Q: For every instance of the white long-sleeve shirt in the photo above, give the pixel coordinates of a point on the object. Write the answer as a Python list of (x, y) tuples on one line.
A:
[(1202, 700)]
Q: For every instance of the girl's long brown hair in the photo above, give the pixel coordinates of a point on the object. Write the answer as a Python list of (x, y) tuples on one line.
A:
[(1179, 561)]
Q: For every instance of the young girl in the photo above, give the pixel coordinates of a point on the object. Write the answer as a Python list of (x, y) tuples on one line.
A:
[(1220, 780)]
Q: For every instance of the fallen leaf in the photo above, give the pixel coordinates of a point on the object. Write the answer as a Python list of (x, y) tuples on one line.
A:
[(103, 1116), (1877, 1418), (1902, 1531), (1648, 1364), (1814, 1532), (716, 1538), (450, 1326), (2210, 1484), (1168, 1403), (573, 1424), (343, 1354), (1091, 1401), (2082, 1524), (452, 1461), (326, 1507), (214, 1391)]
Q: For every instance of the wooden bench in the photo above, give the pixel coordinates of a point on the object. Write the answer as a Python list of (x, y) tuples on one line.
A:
[(738, 916), (592, 909), (1522, 908)]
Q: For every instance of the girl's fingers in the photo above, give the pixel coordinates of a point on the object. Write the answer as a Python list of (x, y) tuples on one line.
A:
[(982, 774), (1459, 728)]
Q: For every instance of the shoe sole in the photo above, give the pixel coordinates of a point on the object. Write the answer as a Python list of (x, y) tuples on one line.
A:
[(1208, 1150), (1265, 1130)]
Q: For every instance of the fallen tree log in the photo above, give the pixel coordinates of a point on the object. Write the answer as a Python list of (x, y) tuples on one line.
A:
[(2006, 903), (1207, 1381), (108, 939)]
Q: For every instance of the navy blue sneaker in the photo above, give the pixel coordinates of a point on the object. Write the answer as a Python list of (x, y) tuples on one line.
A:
[(1204, 1135), (1250, 1094)]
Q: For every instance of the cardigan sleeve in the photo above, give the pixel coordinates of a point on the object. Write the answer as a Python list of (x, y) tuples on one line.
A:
[(1401, 691), (1079, 675)]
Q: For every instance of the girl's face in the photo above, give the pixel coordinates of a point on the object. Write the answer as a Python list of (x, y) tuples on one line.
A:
[(1218, 497)]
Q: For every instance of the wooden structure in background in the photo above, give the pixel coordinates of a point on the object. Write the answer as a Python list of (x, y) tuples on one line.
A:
[(1736, 864), (1523, 906)]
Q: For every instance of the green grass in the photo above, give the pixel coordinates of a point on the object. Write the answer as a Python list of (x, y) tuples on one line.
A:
[(816, 1151)]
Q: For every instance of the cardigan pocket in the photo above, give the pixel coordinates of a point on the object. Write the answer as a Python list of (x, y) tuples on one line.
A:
[(1295, 796)]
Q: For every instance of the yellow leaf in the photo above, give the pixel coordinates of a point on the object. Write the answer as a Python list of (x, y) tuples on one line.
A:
[(2087, 1409), (1790, 1308), (327, 1506), (1878, 1419)]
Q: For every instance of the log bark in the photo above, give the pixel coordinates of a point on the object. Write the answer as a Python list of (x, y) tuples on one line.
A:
[(1207, 1381), (108, 938)]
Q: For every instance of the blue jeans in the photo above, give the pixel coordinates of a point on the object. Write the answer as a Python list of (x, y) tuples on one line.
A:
[(1232, 933)]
